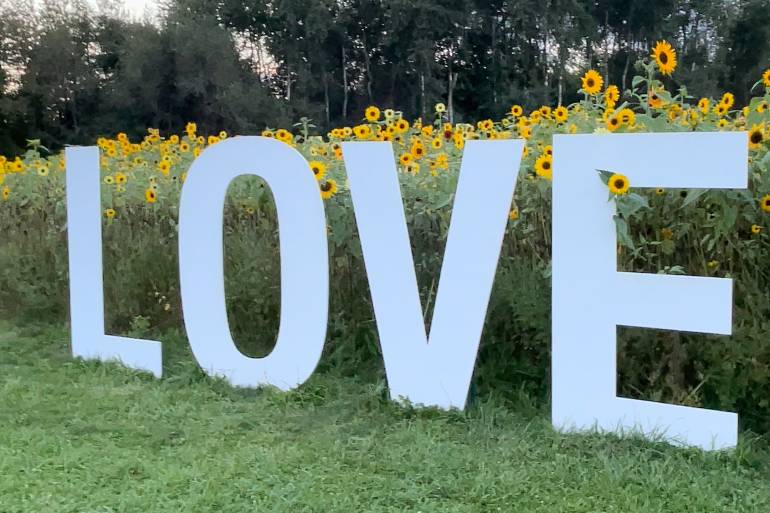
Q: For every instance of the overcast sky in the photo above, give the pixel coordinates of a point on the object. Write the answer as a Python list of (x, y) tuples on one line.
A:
[(137, 6)]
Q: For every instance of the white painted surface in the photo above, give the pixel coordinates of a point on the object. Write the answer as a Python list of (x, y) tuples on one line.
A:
[(591, 298)]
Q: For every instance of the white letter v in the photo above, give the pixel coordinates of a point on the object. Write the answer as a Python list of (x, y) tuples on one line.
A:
[(433, 371)]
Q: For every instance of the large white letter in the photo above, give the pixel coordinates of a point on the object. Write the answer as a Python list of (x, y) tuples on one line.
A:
[(84, 238), (304, 262), (435, 371), (591, 298)]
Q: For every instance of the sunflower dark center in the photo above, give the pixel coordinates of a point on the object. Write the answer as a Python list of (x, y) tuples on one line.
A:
[(590, 82), (663, 57), (546, 165), (326, 187), (619, 183), (755, 137)]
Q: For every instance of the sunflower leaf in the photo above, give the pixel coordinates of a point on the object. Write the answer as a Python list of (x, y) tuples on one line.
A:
[(693, 196)]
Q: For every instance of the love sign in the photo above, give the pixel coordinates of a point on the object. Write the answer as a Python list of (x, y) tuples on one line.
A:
[(590, 298)]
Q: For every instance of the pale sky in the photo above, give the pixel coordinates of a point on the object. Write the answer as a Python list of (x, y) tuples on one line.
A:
[(137, 7)]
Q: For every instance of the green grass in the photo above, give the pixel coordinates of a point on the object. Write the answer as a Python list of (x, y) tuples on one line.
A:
[(86, 437)]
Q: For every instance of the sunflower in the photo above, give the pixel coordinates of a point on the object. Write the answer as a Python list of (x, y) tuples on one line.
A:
[(766, 78), (560, 114), (655, 101), (704, 105), (109, 180), (436, 143), (516, 111), (406, 159), (660, 191), (328, 189), (362, 132), (513, 214), (764, 203), (6, 193), (120, 178), (545, 111), (627, 116), (665, 57), (674, 112), (755, 229), (613, 123), (756, 137), (372, 114), (150, 196), (592, 82), (164, 166), (440, 108), (618, 184), (319, 169), (720, 110), (284, 135), (402, 125), (413, 168), (544, 166), (727, 100), (109, 213), (184, 147), (611, 95), (418, 150)]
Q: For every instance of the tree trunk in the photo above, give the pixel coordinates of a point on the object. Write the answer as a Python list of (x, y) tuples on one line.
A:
[(367, 63), (344, 85), (423, 107), (494, 60), (450, 94), (625, 69), (288, 82), (326, 100)]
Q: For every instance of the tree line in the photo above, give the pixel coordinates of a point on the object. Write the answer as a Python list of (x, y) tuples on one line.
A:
[(70, 72)]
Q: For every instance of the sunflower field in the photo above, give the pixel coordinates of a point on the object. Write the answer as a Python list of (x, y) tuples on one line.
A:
[(695, 232)]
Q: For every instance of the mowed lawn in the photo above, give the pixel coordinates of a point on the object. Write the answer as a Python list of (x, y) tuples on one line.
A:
[(88, 437)]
